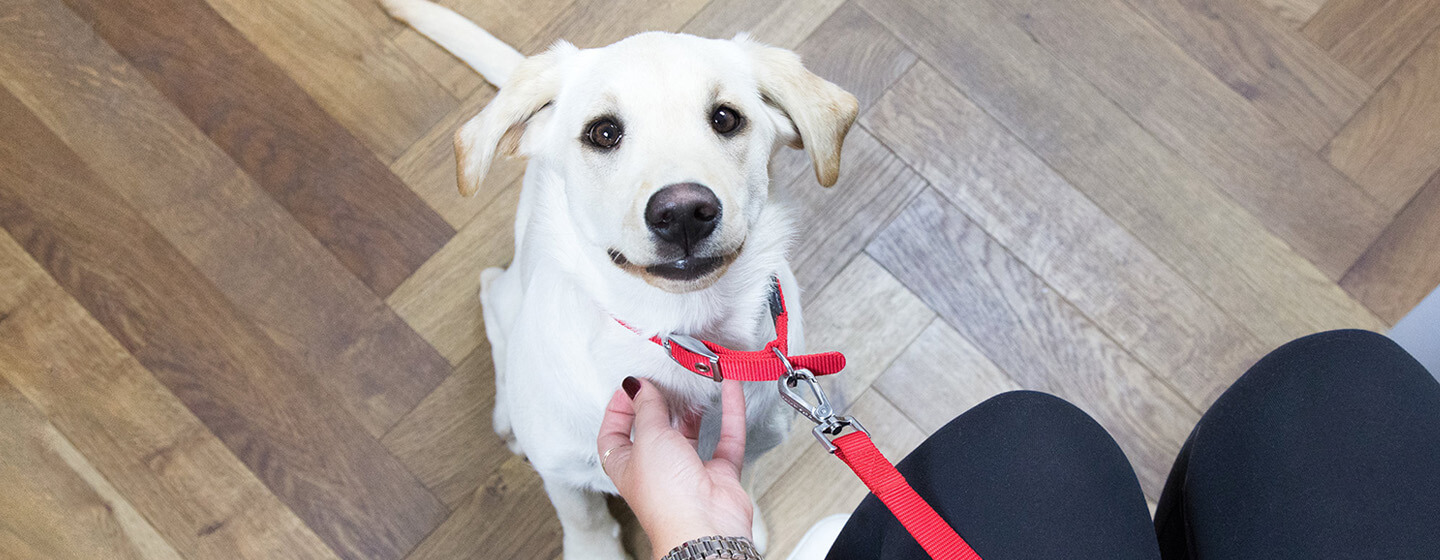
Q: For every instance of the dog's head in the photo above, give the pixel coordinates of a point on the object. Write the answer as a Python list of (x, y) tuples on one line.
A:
[(663, 143)]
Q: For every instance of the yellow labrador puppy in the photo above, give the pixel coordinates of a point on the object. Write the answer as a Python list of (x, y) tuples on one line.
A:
[(646, 200)]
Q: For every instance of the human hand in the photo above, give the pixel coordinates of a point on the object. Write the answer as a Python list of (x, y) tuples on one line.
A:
[(675, 495)]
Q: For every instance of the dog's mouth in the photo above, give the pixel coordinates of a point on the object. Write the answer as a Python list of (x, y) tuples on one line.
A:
[(681, 275)]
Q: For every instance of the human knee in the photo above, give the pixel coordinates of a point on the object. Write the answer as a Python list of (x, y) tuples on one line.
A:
[(1341, 360)]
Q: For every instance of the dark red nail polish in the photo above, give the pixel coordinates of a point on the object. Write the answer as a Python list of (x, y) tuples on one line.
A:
[(631, 386)]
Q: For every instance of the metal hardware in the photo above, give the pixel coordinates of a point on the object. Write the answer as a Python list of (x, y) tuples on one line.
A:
[(694, 345), (827, 423)]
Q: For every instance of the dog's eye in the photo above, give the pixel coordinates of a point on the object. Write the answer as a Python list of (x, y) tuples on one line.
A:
[(604, 133), (726, 119)]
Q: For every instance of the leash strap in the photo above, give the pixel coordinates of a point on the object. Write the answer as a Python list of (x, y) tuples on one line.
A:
[(938, 539)]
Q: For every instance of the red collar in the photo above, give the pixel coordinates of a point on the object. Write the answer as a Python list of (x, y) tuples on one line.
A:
[(718, 362)]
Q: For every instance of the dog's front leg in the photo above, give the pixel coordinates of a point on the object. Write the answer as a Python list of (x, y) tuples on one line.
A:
[(590, 532)]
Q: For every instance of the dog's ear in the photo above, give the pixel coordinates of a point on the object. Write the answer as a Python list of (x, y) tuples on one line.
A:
[(820, 111), (499, 127)]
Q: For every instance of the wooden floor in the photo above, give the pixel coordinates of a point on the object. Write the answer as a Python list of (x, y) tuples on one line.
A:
[(238, 313)]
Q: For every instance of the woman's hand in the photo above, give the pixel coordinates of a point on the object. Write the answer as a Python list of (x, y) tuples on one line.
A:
[(675, 495)]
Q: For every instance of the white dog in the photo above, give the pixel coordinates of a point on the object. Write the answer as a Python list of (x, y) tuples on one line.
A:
[(645, 200)]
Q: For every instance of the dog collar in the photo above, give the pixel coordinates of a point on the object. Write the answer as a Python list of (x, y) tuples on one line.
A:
[(717, 362)]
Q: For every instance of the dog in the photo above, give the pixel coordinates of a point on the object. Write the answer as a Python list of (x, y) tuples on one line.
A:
[(645, 210)]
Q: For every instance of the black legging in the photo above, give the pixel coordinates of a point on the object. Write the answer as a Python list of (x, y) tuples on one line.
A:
[(1327, 448)]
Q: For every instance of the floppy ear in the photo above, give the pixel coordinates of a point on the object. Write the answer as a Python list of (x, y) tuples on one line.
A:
[(499, 127), (821, 112)]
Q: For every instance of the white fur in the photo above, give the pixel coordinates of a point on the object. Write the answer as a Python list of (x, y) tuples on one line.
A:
[(551, 316)]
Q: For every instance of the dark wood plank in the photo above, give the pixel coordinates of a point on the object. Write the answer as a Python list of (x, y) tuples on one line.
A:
[(135, 432), (1265, 61), (1071, 244), (253, 395), (224, 224), (54, 505), (1143, 185), (1255, 161), (1403, 266), (1029, 331), (1373, 37), (514, 494), (320, 173), (1391, 146)]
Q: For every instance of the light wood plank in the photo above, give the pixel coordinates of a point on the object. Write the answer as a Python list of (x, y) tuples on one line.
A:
[(133, 430), (260, 400), (1073, 245), (341, 53), (241, 239), (527, 527), (1265, 60), (308, 162), (1246, 154), (53, 504), (1294, 13), (428, 167), (940, 376), (442, 300), (1141, 184), (820, 485), (511, 21), (448, 440), (1393, 145), (1026, 328), (1373, 37), (596, 24), (783, 24), (866, 314), (1403, 266)]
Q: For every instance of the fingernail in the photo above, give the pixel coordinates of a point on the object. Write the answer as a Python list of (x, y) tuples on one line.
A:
[(631, 386)]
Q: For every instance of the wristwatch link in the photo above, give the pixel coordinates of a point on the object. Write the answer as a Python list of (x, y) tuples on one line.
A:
[(715, 548)]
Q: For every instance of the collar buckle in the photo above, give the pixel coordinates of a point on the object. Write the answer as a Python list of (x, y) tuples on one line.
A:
[(694, 346)]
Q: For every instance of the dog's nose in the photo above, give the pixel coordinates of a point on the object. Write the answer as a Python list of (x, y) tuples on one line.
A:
[(683, 213)]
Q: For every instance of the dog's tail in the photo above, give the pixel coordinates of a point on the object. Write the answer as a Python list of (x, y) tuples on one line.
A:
[(489, 56)]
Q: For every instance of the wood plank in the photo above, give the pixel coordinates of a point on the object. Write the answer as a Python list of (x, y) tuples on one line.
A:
[(313, 166), (448, 440), (819, 485), (1144, 186), (865, 313), (253, 395), (428, 167), (854, 51), (596, 24), (341, 53), (1265, 60), (783, 23), (1078, 250), (514, 493), (1373, 37), (1403, 266), (1031, 332), (133, 430), (1251, 158), (1393, 145), (835, 223), (441, 301), (54, 504), (239, 237), (940, 376), (1294, 13), (511, 21)]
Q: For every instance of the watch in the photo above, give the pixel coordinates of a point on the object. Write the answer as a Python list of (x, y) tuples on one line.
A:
[(715, 548)]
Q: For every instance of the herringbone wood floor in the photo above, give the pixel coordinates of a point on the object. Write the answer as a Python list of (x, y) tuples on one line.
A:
[(238, 313)]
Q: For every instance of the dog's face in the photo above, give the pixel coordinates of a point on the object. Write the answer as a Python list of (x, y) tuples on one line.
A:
[(663, 143)]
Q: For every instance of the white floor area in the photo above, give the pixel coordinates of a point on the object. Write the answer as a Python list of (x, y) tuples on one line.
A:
[(1419, 332)]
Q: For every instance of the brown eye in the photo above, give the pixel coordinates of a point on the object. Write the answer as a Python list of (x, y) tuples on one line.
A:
[(725, 119), (604, 133)]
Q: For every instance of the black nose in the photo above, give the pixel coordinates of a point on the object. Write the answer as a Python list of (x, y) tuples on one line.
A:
[(683, 214)]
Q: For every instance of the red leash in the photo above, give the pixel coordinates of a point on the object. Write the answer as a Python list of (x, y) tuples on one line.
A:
[(773, 363)]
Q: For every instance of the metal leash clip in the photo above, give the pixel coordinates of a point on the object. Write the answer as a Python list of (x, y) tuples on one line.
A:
[(827, 423)]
